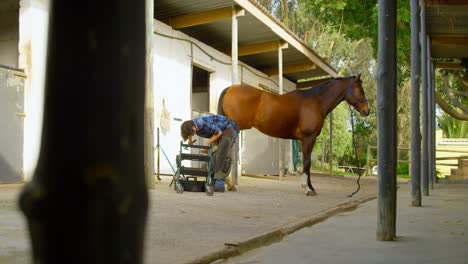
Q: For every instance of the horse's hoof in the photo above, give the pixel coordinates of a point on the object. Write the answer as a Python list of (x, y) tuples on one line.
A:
[(311, 193)]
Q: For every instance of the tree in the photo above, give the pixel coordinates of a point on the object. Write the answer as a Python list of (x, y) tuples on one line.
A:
[(452, 96), (350, 44)]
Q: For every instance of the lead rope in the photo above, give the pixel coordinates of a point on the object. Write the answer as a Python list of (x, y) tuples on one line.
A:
[(356, 155)]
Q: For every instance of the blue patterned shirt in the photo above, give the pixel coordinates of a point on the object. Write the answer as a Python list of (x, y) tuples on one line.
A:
[(210, 125)]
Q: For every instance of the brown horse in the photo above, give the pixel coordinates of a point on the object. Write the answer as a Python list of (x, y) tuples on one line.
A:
[(295, 115)]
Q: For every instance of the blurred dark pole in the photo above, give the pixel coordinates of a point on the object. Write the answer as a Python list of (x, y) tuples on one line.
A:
[(415, 107), (386, 107), (87, 201), (425, 103)]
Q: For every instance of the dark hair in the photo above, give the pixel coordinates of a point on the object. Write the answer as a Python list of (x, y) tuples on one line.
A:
[(186, 129)]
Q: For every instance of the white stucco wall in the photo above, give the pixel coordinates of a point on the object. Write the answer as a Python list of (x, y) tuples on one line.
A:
[(172, 62), (33, 29), (172, 85)]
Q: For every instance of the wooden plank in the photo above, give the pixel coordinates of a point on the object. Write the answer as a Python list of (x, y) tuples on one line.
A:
[(452, 151), (449, 65), (205, 17), (447, 2), (447, 164), (452, 158), (261, 47), (450, 40), (291, 68)]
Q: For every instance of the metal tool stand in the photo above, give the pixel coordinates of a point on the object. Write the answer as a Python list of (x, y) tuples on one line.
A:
[(183, 171)]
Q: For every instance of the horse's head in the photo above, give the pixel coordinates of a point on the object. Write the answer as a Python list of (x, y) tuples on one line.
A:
[(356, 97)]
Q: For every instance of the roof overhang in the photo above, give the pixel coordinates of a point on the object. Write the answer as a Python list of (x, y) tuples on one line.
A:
[(259, 38), (447, 27)]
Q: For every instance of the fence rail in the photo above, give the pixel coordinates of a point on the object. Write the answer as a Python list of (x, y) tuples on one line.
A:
[(370, 159)]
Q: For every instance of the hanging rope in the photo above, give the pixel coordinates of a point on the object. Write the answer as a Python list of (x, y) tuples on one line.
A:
[(356, 154)]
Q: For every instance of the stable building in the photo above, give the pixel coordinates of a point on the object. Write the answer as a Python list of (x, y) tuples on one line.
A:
[(198, 48), (203, 47)]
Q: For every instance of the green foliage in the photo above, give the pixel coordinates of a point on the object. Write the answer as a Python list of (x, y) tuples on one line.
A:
[(346, 32), (341, 133), (452, 128), (402, 168)]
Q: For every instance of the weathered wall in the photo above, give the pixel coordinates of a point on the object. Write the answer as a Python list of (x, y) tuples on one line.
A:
[(32, 56), (173, 59), (11, 125), (9, 32)]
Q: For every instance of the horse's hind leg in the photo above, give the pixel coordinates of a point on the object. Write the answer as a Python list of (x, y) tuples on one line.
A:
[(307, 145)]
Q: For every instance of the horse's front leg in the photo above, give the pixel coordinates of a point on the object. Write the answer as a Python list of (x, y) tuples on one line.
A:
[(307, 145)]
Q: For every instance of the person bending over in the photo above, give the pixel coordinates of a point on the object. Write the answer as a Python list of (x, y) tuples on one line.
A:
[(221, 131)]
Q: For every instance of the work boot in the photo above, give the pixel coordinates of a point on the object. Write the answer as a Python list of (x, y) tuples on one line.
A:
[(219, 185), (230, 186)]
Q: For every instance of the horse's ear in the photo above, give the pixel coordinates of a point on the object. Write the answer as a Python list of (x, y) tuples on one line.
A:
[(358, 77)]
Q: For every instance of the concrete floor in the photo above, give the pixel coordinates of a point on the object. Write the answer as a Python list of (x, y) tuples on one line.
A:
[(434, 233), (195, 228)]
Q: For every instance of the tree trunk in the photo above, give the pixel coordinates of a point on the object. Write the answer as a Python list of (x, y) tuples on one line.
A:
[(87, 201)]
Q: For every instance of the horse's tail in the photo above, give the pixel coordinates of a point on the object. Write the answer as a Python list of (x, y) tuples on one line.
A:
[(220, 102)]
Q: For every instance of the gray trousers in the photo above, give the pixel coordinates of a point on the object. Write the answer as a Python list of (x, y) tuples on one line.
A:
[(222, 158)]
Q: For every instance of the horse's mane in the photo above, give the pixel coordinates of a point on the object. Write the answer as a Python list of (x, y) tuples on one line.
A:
[(318, 89)]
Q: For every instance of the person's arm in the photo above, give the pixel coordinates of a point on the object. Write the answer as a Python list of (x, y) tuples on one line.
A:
[(212, 139)]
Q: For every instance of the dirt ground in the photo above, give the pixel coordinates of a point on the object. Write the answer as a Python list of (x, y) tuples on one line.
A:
[(184, 227)]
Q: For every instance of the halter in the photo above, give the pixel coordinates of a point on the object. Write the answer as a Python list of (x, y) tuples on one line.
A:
[(350, 91)]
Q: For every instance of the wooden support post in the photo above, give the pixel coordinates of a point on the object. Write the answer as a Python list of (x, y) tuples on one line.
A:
[(368, 160), (433, 127), (425, 97), (386, 106), (430, 115), (331, 144), (415, 111), (236, 171), (235, 47), (324, 144), (87, 201), (280, 84)]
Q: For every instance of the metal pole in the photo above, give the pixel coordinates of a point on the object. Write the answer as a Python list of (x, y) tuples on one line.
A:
[(331, 144), (324, 145), (234, 47), (235, 80), (280, 83), (433, 127), (386, 105), (87, 202), (415, 111), (368, 160), (430, 123), (425, 98), (158, 161)]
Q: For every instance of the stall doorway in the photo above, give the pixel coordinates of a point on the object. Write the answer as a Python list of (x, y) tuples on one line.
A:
[(200, 102), (200, 91)]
